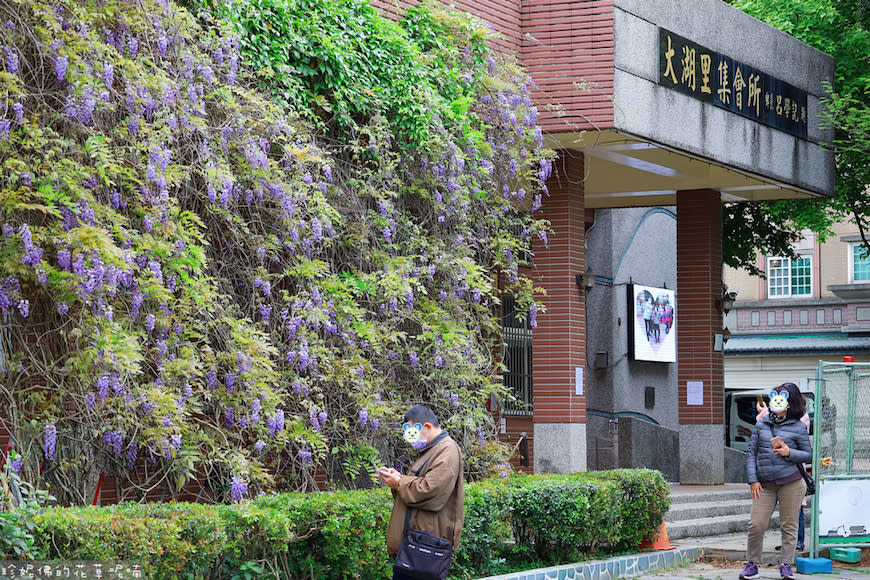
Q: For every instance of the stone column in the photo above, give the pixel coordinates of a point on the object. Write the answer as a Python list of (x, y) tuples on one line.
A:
[(559, 341), (700, 367)]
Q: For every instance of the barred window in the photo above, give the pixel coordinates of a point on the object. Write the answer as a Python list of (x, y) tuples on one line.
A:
[(517, 359)]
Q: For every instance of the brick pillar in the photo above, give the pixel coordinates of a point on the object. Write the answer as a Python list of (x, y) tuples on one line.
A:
[(559, 341), (699, 320)]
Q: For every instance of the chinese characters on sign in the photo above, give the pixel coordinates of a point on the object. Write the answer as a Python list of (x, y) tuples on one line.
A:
[(715, 78), (39, 570)]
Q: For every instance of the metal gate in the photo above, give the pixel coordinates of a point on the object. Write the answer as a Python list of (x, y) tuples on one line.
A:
[(840, 515)]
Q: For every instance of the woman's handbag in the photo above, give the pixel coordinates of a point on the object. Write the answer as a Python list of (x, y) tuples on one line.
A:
[(811, 484)]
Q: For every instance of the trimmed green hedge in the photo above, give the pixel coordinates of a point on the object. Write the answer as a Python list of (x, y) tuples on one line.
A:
[(509, 525)]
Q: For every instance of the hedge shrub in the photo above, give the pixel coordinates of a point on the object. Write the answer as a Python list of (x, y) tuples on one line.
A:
[(510, 524)]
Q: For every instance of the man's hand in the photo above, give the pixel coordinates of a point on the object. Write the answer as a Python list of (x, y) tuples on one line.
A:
[(389, 476)]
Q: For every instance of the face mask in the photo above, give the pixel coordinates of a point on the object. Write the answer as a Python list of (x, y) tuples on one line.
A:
[(413, 434)]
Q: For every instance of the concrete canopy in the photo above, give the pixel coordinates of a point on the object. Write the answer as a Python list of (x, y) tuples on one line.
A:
[(662, 140)]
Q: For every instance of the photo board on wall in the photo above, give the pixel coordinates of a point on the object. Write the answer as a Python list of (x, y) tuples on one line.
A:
[(653, 328)]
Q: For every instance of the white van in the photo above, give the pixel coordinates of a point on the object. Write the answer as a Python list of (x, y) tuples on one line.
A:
[(740, 414)]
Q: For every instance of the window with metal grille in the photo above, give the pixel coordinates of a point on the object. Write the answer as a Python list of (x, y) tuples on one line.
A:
[(787, 277), (517, 359)]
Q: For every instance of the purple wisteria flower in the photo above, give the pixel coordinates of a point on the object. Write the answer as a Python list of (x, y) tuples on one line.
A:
[(60, 66), (303, 356), (32, 254), (115, 440), (255, 411), (300, 388), (132, 454), (238, 489), (259, 446), (276, 423), (211, 380), (533, 315), (103, 387), (62, 308), (108, 74), (364, 416), (24, 308), (11, 60), (63, 259), (305, 455), (18, 109), (49, 441)]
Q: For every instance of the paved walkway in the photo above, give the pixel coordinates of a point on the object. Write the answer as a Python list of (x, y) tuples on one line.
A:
[(708, 558)]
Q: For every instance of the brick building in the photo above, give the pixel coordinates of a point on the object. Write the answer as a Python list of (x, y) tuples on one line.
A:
[(660, 111)]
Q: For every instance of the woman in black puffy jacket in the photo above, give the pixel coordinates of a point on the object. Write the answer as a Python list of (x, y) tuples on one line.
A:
[(778, 445)]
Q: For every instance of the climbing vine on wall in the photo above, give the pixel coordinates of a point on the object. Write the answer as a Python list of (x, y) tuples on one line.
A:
[(218, 264)]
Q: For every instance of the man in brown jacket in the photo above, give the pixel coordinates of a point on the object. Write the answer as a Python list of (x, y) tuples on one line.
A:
[(434, 490)]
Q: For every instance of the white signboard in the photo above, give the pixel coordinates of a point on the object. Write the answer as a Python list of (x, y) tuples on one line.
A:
[(844, 510)]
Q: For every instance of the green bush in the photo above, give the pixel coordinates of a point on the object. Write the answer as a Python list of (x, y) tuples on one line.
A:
[(510, 524), (642, 502), (486, 530), (168, 540), (564, 519)]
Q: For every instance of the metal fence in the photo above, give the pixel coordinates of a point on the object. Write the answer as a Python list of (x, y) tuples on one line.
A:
[(840, 515)]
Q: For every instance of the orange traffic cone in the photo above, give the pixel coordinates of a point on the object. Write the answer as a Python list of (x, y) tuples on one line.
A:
[(660, 541)]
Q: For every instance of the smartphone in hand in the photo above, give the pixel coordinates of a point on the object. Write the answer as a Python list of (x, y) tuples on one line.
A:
[(776, 442)]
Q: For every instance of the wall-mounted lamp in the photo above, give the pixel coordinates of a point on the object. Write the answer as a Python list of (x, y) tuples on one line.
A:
[(726, 302), (726, 334), (586, 280)]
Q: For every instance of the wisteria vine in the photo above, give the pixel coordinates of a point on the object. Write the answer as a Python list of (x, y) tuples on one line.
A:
[(195, 286)]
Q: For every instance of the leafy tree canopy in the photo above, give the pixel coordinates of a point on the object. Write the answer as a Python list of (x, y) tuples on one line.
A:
[(841, 29), (198, 281)]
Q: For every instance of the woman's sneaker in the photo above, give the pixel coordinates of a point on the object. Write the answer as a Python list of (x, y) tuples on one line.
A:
[(785, 571), (750, 572)]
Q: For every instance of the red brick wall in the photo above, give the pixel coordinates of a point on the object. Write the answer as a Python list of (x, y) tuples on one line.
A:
[(502, 16), (698, 318), (559, 342), (566, 43)]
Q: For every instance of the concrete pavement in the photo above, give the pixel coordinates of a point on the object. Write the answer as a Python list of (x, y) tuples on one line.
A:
[(722, 557), (705, 558)]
